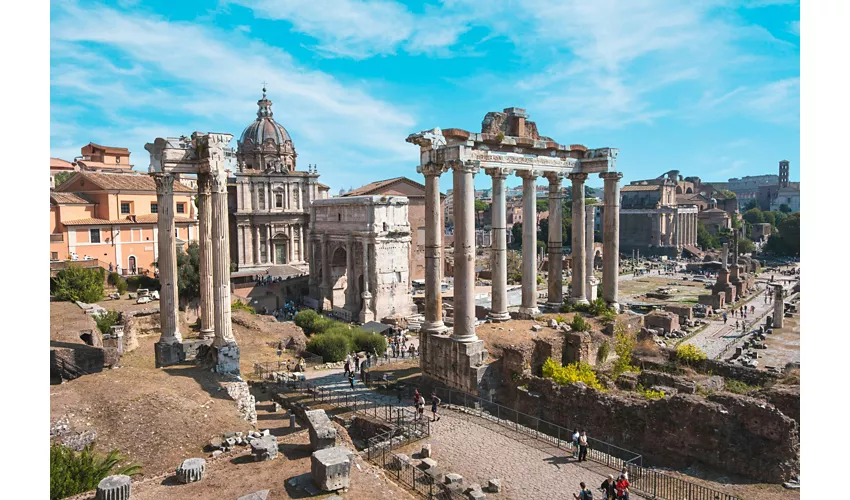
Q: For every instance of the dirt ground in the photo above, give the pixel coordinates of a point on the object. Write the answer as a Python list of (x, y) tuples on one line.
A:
[(158, 417), (636, 289), (518, 332), (783, 345)]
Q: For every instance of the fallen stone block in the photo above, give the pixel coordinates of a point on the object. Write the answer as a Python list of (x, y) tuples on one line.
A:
[(322, 430), (453, 479), (400, 461), (113, 488), (536, 328), (476, 495), (494, 485), (330, 468), (257, 495), (191, 470), (426, 451), (428, 463), (264, 448)]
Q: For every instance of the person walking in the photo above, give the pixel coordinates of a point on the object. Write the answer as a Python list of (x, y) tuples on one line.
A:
[(575, 437), (584, 494), (399, 391), (351, 380), (623, 488), (582, 447), (435, 402), (356, 362), (609, 488), (412, 351), (420, 406), (347, 367)]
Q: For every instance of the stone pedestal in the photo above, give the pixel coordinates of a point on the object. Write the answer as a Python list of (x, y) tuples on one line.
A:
[(322, 430), (778, 307), (264, 448), (459, 365), (168, 354), (191, 470), (114, 488), (331, 468), (592, 285)]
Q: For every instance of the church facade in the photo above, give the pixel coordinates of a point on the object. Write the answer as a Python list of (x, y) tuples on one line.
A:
[(270, 225)]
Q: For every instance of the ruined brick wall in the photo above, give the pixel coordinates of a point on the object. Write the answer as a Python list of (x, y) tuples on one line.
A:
[(459, 365), (70, 361), (664, 320), (784, 397), (683, 312), (544, 349), (732, 433)]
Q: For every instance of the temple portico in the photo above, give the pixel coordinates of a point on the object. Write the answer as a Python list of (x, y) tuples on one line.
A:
[(508, 144)]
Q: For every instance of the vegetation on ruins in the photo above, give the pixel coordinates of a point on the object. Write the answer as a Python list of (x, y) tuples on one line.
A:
[(578, 324), (480, 207), (787, 240), (738, 387), (649, 393), (514, 260), (238, 305), (603, 352), (624, 344), (76, 283), (597, 307), (107, 320), (136, 282), (117, 281), (189, 272), (746, 246), (690, 354), (72, 473), (572, 373), (340, 339)]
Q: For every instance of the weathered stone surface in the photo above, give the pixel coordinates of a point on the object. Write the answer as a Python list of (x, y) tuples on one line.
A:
[(428, 463), (627, 381), (330, 468), (246, 404), (400, 461), (113, 488), (454, 479), (168, 354), (257, 495), (191, 470), (786, 398), (227, 359), (322, 430), (264, 448), (426, 451), (494, 485), (650, 378), (476, 495), (69, 361)]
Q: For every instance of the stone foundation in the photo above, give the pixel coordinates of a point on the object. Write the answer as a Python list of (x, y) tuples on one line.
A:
[(227, 359), (330, 468), (239, 391), (716, 301), (168, 354), (459, 365)]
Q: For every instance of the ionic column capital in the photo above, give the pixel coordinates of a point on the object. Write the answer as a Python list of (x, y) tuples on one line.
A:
[(431, 169), (499, 172), (164, 183), (611, 176), (577, 177), (466, 167), (528, 174)]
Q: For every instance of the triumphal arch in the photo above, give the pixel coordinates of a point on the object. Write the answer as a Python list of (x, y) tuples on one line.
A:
[(508, 144)]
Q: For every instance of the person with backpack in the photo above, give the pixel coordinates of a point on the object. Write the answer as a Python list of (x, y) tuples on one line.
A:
[(609, 488), (584, 494), (435, 402)]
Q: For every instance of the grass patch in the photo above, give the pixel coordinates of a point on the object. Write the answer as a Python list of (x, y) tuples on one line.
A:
[(649, 393), (738, 387), (72, 473), (241, 306)]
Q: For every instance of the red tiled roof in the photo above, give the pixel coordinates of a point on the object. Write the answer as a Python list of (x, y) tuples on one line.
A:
[(114, 182), (67, 199), (111, 149), (638, 187), (139, 219), (61, 164), (373, 187)]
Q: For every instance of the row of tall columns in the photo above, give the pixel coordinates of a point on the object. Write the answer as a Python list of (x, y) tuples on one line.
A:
[(167, 259), (464, 254), (250, 245), (685, 229), (556, 253), (498, 248), (528, 306), (206, 255), (611, 238), (578, 283)]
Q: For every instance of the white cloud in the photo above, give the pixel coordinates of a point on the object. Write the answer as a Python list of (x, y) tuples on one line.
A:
[(170, 76), (794, 27)]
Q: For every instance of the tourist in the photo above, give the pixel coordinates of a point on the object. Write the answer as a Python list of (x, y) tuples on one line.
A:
[(435, 402), (356, 362), (736, 324), (399, 390), (584, 494), (724, 318), (402, 351), (609, 488), (351, 380), (623, 488), (582, 447), (347, 367), (753, 309), (624, 474), (575, 437), (412, 351)]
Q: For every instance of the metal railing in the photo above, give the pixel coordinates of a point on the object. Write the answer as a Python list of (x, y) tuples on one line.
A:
[(648, 482), (424, 483)]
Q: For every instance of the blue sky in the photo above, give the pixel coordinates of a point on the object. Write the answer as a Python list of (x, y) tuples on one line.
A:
[(710, 87)]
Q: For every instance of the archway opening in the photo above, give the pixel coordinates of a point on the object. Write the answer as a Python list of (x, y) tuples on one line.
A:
[(339, 277)]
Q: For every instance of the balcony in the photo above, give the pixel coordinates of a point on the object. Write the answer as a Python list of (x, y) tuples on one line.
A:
[(57, 238)]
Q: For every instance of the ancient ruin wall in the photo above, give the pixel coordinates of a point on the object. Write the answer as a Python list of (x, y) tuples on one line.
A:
[(732, 433)]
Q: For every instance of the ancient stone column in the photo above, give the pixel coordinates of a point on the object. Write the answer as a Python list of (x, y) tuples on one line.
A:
[(313, 282), (677, 227), (778, 307), (724, 257), (117, 487), (350, 295), (433, 250), (464, 291), (167, 259), (269, 258), (578, 249), (589, 278), (300, 242), (668, 228), (205, 252), (225, 344), (326, 274), (556, 252), (694, 222), (656, 229), (366, 313), (611, 238), (256, 248), (498, 250), (528, 307)]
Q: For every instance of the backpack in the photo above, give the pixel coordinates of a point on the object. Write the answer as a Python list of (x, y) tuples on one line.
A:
[(588, 495)]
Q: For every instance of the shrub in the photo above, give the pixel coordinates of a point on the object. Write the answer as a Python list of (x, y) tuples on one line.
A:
[(369, 342), (623, 346), (578, 324), (242, 306), (332, 346), (689, 354), (566, 307), (136, 282), (603, 352), (117, 281), (79, 284), (739, 387), (572, 373), (561, 319), (72, 473), (649, 393), (609, 316), (106, 320), (304, 320)]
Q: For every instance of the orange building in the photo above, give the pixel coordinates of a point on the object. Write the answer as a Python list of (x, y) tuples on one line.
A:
[(111, 217)]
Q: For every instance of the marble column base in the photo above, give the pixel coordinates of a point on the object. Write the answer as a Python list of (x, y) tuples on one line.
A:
[(366, 314), (166, 354), (434, 328), (616, 306), (497, 317), (227, 359), (207, 334), (579, 300), (528, 312), (554, 306)]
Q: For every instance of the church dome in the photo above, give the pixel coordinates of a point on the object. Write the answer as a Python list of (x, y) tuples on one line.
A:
[(264, 127), (265, 143)]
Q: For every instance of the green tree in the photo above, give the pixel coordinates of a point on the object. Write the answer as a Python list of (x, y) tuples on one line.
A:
[(745, 246), (516, 234), (107, 320), (754, 216), (785, 208), (79, 284), (770, 218), (542, 205), (481, 206), (778, 218), (705, 239), (61, 177), (786, 241), (189, 272), (749, 205)]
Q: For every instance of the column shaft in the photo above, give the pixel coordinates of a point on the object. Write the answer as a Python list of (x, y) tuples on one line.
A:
[(301, 243), (611, 239), (269, 258), (167, 260), (589, 213), (656, 222), (221, 259), (326, 274), (433, 251), (464, 292), (498, 249), (256, 248), (578, 249), (556, 253), (528, 306), (205, 250), (350, 296), (366, 314), (677, 237)]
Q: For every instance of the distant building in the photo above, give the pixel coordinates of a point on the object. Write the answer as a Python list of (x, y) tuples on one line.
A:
[(97, 158), (760, 231), (58, 166), (783, 192), (747, 188)]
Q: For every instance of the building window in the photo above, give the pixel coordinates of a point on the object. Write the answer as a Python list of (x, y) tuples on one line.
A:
[(181, 208), (125, 207), (153, 208), (262, 197), (54, 255), (94, 235), (278, 200), (117, 159)]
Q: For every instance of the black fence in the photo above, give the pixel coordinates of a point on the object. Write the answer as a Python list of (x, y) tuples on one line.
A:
[(645, 481), (425, 483)]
